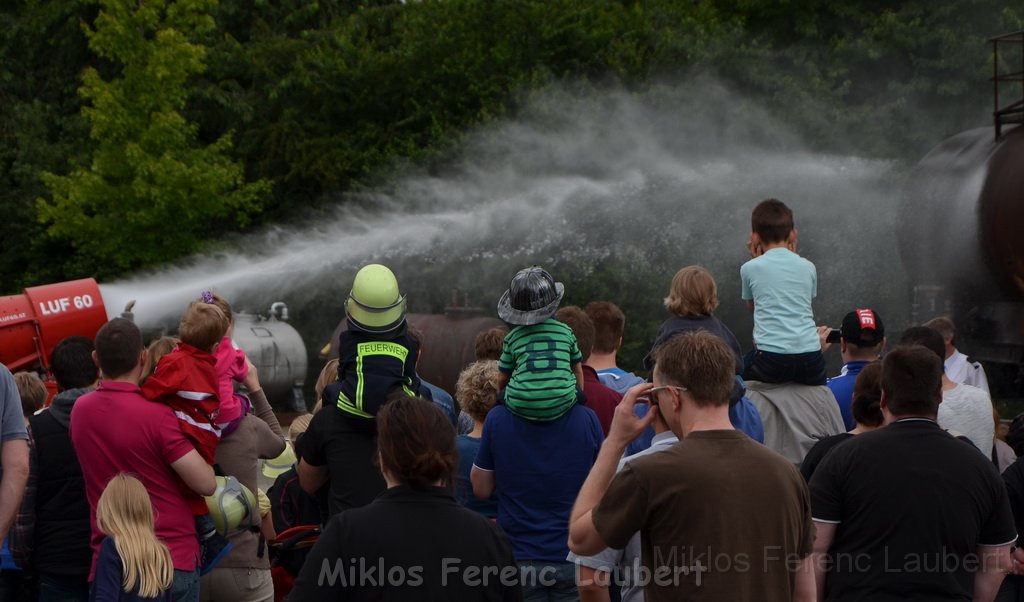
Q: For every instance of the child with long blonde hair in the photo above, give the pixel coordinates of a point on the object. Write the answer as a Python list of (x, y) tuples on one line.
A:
[(133, 565)]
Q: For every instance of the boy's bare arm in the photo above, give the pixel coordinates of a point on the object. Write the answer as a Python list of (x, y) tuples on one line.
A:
[(577, 369), (503, 380)]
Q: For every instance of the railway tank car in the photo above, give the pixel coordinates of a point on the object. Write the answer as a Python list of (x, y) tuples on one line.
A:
[(962, 235)]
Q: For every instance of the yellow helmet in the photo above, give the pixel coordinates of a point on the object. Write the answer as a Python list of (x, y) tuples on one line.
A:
[(375, 303), (281, 464), (232, 506)]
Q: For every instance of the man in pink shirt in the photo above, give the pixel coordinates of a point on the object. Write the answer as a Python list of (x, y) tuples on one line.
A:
[(114, 429)]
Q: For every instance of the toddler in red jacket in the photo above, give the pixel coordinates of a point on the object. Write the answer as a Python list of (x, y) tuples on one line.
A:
[(186, 380)]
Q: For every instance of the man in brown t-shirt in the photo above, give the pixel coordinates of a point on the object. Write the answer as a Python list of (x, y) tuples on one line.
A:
[(720, 516)]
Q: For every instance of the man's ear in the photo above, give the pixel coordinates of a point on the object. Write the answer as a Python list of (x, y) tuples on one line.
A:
[(883, 406), (142, 357), (618, 344), (677, 401), (95, 359)]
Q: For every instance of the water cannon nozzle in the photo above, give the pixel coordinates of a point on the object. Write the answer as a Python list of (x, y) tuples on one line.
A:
[(127, 313)]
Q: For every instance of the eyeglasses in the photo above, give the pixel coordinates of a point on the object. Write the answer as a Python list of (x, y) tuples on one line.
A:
[(652, 394)]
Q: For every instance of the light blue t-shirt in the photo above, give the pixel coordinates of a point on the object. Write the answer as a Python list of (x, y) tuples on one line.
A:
[(782, 284)]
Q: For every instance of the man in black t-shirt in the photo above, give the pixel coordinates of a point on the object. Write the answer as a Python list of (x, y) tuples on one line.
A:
[(908, 512), (335, 452)]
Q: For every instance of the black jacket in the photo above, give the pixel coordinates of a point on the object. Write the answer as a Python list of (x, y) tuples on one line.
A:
[(410, 545), (62, 530), (372, 366)]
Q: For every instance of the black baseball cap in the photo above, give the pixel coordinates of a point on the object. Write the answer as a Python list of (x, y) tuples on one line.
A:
[(863, 328)]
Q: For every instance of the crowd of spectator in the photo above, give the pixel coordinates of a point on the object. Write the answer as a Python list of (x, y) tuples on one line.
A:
[(551, 474)]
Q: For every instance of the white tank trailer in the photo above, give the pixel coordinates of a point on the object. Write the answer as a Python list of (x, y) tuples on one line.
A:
[(277, 351)]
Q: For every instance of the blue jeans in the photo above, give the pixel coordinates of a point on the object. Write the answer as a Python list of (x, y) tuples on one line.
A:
[(548, 581), (185, 587), (58, 588), (800, 368)]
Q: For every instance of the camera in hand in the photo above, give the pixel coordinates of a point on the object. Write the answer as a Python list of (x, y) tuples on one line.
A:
[(834, 335)]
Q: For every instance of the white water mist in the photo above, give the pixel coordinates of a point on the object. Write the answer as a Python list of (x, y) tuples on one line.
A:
[(668, 177)]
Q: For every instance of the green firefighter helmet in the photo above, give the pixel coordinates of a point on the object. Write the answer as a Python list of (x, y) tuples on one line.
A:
[(232, 506), (276, 467), (375, 303)]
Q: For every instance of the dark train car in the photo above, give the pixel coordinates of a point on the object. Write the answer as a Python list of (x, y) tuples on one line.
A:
[(962, 236)]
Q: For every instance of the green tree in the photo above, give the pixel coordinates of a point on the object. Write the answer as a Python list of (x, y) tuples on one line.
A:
[(323, 97), (885, 79), (151, 192)]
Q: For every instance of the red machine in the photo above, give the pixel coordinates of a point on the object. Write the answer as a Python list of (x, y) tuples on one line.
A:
[(33, 323)]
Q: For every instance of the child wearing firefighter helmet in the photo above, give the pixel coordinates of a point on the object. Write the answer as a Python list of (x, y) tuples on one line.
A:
[(540, 364), (376, 356)]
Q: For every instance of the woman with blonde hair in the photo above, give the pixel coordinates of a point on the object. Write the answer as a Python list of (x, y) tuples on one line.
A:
[(691, 300), (132, 565)]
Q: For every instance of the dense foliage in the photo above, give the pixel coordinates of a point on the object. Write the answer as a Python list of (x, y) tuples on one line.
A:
[(146, 170), (133, 138)]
